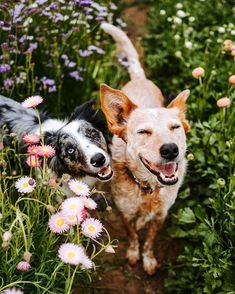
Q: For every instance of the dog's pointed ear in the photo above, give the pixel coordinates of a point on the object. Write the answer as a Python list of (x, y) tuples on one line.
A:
[(117, 108), (180, 104), (85, 111)]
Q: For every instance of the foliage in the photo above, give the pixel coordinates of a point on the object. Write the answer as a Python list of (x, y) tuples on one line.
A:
[(53, 49), (183, 36)]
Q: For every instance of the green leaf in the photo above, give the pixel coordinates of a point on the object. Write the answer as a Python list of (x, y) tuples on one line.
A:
[(186, 216)]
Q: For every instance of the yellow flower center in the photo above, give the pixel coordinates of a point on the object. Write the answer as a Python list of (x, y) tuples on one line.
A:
[(25, 185), (79, 187), (91, 228), (73, 206), (86, 203), (60, 222), (72, 218), (70, 254)]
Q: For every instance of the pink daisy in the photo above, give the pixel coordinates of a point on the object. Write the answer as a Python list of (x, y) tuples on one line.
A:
[(25, 185), (92, 228), (79, 188), (12, 291), (57, 223), (72, 206), (86, 263), (33, 161), (23, 266), (33, 150), (31, 139), (46, 150), (32, 101), (89, 203), (71, 253)]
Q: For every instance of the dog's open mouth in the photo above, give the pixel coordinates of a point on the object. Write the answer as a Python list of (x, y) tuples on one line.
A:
[(105, 173), (167, 173)]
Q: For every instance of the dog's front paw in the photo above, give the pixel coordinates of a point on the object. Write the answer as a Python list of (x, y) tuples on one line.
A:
[(150, 263), (133, 254)]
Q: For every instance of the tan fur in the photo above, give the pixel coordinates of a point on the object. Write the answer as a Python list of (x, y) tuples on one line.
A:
[(138, 106)]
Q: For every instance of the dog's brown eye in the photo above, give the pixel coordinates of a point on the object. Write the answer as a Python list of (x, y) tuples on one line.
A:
[(142, 131), (70, 150), (175, 127)]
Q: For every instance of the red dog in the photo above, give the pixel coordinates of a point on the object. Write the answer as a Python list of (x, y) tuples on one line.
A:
[(148, 151)]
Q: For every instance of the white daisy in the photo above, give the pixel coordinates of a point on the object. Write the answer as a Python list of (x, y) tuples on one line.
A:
[(72, 206), (57, 223), (79, 188), (89, 203), (86, 263), (25, 185), (73, 219), (71, 253), (92, 228)]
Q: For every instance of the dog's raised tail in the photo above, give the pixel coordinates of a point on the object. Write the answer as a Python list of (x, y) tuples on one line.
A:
[(135, 69)]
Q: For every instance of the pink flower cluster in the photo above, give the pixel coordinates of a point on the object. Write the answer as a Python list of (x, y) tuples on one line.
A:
[(73, 214), (37, 151)]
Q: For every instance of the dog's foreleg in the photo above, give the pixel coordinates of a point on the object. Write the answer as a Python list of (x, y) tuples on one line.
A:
[(133, 252), (149, 261)]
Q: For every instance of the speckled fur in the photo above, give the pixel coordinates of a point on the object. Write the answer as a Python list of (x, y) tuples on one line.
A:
[(139, 105)]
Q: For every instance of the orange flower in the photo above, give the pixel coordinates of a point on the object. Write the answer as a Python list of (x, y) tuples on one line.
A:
[(232, 80)]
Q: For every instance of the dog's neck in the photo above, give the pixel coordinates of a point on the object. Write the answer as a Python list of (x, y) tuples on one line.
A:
[(145, 186)]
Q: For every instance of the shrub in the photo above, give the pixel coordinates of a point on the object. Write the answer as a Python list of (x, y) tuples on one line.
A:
[(184, 36)]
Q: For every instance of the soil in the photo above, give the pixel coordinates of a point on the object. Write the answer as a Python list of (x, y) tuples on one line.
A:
[(115, 275)]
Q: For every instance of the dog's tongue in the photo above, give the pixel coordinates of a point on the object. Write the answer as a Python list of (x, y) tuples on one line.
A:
[(105, 171), (168, 169)]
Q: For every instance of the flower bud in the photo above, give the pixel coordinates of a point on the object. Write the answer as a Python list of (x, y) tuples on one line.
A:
[(221, 182), (109, 249), (50, 208), (232, 80), (228, 44), (109, 209), (7, 236), (5, 246), (27, 256), (198, 72), (190, 157)]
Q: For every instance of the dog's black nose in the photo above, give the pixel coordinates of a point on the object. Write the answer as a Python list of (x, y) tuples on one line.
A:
[(98, 160), (169, 151)]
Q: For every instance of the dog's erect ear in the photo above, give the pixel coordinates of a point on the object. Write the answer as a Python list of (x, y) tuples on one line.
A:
[(180, 103), (117, 107), (85, 111)]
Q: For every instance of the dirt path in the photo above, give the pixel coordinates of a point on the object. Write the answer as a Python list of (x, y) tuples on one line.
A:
[(116, 276)]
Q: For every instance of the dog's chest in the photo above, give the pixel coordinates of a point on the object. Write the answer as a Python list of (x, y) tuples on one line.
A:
[(131, 200)]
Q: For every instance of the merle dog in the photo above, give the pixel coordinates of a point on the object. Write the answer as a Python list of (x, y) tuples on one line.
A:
[(80, 141)]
